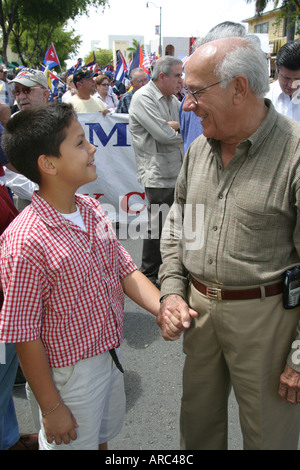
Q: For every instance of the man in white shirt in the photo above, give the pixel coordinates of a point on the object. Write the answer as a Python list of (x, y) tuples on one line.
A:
[(285, 91)]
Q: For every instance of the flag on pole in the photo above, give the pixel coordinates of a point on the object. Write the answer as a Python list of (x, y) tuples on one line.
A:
[(146, 61), (47, 73), (51, 59), (121, 68), (90, 60), (75, 67), (138, 60)]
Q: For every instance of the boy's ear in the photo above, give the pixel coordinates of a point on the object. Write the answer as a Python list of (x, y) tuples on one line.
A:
[(46, 166)]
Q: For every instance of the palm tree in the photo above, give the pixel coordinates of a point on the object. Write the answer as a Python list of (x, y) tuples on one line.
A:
[(133, 48), (290, 11)]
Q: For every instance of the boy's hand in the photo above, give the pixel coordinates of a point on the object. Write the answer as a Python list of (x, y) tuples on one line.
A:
[(60, 425), (174, 317)]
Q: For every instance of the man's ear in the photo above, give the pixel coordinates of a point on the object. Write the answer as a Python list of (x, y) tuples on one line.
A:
[(46, 165), (241, 88)]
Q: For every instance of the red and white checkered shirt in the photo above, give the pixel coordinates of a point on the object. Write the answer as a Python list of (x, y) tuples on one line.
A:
[(72, 299)]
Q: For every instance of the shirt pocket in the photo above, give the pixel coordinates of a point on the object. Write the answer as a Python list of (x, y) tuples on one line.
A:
[(253, 235)]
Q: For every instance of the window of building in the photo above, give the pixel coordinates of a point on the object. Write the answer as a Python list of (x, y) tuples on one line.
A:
[(261, 28)]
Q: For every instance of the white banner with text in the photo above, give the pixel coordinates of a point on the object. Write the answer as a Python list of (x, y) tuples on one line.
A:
[(116, 186)]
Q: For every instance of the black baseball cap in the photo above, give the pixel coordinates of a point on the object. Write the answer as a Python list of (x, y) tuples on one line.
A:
[(81, 74)]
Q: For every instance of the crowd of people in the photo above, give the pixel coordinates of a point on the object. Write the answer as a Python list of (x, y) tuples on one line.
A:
[(219, 267)]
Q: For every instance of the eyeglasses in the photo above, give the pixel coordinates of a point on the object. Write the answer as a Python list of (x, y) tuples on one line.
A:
[(25, 91), (104, 84), (194, 93)]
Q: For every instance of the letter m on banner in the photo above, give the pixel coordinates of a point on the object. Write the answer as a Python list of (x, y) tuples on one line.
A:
[(120, 128)]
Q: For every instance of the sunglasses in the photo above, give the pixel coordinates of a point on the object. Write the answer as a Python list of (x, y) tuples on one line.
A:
[(25, 91)]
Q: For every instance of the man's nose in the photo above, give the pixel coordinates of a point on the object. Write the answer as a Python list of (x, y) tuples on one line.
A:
[(189, 103)]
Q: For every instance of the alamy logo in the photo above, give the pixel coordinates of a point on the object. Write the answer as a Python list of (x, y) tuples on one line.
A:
[(296, 94), (296, 354), (2, 353)]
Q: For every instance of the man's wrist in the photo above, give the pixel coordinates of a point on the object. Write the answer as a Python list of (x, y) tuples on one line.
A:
[(167, 295)]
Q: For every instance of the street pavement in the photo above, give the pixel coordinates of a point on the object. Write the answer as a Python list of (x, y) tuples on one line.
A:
[(152, 374)]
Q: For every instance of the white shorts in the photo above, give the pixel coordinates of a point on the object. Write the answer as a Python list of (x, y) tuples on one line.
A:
[(93, 389)]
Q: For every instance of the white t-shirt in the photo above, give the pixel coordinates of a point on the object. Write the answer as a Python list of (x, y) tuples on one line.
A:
[(76, 218), (92, 105)]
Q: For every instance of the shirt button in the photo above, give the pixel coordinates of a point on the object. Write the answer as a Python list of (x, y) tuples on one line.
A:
[(210, 261), (220, 196), (215, 228)]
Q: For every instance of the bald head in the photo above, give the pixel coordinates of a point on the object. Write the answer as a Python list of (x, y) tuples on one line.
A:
[(227, 80), (226, 58)]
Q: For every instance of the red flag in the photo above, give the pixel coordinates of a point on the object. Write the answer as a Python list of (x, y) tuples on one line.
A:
[(51, 59)]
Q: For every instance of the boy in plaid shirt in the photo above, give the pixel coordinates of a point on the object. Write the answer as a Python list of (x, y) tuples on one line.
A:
[(64, 274)]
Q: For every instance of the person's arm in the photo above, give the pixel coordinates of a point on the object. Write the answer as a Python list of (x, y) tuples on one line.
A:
[(175, 125), (147, 113), (59, 423), (142, 291), (173, 315)]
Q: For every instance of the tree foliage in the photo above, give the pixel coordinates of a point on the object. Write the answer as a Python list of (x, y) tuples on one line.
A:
[(132, 50), (38, 21), (103, 57)]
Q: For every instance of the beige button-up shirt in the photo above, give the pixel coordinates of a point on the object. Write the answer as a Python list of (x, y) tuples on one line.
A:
[(240, 225), (158, 148)]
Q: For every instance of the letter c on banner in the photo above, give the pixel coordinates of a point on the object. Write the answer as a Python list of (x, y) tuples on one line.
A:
[(124, 204)]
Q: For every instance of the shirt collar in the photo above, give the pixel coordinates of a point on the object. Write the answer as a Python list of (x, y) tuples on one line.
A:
[(51, 216)]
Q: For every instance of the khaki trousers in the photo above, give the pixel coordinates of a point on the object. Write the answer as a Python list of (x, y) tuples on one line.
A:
[(243, 344)]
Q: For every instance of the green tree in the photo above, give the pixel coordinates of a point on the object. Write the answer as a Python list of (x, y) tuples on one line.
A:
[(103, 57), (30, 45), (133, 48), (18, 17), (290, 9)]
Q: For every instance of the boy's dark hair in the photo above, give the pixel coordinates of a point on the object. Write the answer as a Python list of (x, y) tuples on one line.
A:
[(288, 56), (36, 131)]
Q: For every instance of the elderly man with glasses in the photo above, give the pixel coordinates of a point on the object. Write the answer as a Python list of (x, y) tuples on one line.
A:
[(31, 88), (230, 239)]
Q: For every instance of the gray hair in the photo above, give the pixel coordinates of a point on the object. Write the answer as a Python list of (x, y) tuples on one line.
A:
[(223, 30), (164, 65), (133, 72), (246, 58)]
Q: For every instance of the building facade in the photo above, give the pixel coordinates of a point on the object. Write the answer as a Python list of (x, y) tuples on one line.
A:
[(270, 23)]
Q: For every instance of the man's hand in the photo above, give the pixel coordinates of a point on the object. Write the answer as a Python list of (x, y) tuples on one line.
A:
[(289, 388), (175, 125), (175, 316)]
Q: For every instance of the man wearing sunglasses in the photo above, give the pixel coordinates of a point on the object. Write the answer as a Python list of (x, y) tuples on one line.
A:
[(31, 88)]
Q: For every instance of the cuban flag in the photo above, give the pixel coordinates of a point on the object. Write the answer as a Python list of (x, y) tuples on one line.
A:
[(121, 68), (51, 59)]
